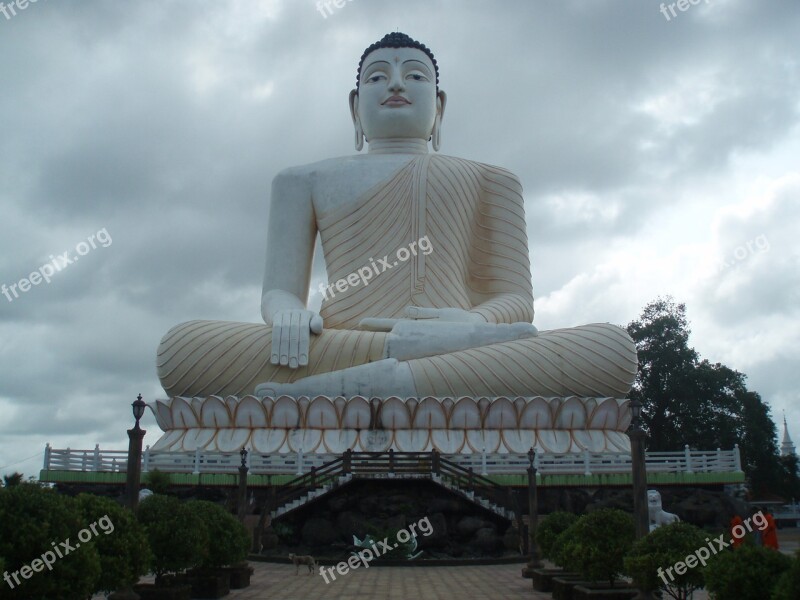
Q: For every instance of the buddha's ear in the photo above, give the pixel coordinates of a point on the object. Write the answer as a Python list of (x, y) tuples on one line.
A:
[(436, 133), (356, 120)]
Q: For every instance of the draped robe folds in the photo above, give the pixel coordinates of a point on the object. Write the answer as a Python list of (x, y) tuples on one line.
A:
[(476, 259)]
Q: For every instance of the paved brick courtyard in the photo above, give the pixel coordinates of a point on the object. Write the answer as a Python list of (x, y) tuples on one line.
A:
[(502, 582)]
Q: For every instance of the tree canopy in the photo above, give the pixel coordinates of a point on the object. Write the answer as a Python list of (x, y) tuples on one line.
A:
[(706, 405)]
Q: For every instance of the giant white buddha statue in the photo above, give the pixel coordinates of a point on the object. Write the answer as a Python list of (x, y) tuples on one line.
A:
[(427, 257)]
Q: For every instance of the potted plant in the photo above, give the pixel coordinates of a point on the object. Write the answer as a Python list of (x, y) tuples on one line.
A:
[(121, 542), (747, 573), (548, 529), (595, 546), (223, 560), (789, 583), (649, 560), (34, 521), (178, 540)]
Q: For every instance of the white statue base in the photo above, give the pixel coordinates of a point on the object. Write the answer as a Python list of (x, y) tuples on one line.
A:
[(326, 425)]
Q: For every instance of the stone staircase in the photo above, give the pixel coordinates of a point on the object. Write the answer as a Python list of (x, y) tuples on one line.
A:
[(436, 478)]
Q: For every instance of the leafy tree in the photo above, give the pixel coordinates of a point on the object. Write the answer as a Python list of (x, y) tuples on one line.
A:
[(158, 481), (549, 528), (788, 586), (660, 549), (177, 537), (748, 573), (35, 521), (691, 401), (12, 480), (596, 544), (229, 541), (121, 542)]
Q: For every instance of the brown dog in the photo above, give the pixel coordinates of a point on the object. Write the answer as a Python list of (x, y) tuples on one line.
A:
[(309, 561)]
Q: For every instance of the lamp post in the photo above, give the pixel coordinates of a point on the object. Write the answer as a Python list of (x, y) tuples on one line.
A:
[(639, 472), (135, 437), (242, 505), (533, 518)]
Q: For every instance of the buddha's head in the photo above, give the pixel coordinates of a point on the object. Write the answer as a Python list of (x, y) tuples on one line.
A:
[(397, 92)]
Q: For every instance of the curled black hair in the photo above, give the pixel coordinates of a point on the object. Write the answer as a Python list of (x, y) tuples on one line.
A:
[(397, 40)]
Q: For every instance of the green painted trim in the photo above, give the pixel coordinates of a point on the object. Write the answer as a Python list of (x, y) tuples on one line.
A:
[(229, 479)]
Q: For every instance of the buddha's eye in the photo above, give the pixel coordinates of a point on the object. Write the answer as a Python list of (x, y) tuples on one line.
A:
[(417, 77), (375, 78)]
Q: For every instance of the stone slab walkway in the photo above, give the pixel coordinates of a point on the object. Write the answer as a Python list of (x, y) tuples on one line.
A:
[(501, 582)]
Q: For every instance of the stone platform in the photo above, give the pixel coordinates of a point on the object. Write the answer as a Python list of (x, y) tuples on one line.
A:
[(325, 425)]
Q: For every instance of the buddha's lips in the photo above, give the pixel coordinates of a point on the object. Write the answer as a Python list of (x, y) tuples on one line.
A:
[(396, 100)]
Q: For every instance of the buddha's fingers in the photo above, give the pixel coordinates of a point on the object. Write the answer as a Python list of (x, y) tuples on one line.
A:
[(377, 324)]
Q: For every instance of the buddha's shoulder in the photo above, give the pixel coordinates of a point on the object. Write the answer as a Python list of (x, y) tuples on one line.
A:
[(485, 171)]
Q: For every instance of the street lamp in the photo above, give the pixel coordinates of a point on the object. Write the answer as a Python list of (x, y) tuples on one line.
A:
[(533, 517), (242, 500), (638, 470), (135, 437)]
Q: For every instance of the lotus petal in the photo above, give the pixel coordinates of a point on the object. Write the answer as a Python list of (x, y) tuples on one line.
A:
[(537, 414), (336, 441), (375, 440), (448, 441), (268, 441), (518, 441), (554, 441), (250, 414), (465, 414), (571, 414), (285, 413), (394, 414), (305, 440), (321, 414), (501, 415), (214, 414), (232, 440), (183, 417), (478, 439), (605, 415), (412, 440), (430, 415), (357, 414)]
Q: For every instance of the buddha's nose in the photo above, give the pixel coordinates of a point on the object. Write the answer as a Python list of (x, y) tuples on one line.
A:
[(396, 83)]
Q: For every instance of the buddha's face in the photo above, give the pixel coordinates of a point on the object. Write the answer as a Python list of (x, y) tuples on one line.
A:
[(397, 95)]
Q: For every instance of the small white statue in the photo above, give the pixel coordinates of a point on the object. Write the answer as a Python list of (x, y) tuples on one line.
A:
[(658, 516), (144, 494)]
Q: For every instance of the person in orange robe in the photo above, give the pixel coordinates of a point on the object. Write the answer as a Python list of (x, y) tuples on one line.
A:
[(770, 534), (736, 520)]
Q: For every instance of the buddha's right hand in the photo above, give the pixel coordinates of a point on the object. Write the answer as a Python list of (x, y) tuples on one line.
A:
[(291, 332)]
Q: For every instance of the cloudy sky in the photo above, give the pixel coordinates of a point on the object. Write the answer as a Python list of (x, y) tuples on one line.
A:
[(659, 155)]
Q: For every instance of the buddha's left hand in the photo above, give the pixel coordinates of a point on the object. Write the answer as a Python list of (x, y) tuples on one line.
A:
[(457, 315)]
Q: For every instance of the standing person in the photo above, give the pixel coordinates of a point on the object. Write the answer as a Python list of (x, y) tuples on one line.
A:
[(736, 521), (770, 532), (757, 533)]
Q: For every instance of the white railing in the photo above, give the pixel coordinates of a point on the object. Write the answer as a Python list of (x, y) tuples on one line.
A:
[(585, 463)]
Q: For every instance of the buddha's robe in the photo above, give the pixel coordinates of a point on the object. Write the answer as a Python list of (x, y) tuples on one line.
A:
[(472, 216)]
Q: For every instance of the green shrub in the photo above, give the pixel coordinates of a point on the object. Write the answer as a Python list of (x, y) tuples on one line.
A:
[(747, 573), (596, 544), (124, 552), (34, 521), (229, 541), (157, 481), (788, 586), (661, 549), (178, 538), (549, 528)]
